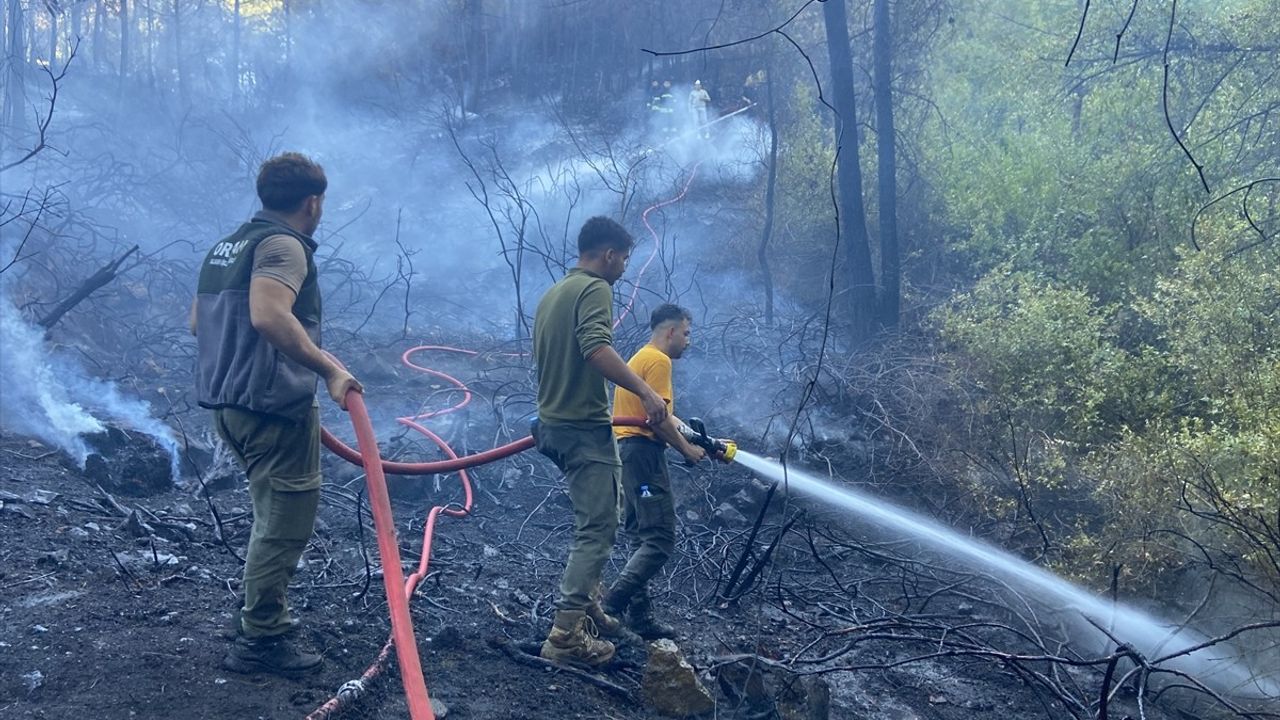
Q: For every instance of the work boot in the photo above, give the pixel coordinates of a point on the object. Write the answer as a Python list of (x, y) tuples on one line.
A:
[(274, 654), (609, 624), (618, 598), (641, 621), (574, 641)]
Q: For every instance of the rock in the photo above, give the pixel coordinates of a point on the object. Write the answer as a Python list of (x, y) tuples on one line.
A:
[(804, 698), (692, 516), (50, 598), (447, 639), (147, 560), (55, 558), (742, 500), (727, 515), (759, 488), (15, 509), (670, 684), (133, 526), (439, 709), (31, 497), (222, 477), (33, 681), (40, 497), (743, 681), (375, 370)]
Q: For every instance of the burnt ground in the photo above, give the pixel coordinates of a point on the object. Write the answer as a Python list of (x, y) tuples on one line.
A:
[(107, 616)]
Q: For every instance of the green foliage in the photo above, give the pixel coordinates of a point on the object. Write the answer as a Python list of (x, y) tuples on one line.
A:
[(1217, 315), (805, 225), (1116, 364), (1042, 352), (1176, 440)]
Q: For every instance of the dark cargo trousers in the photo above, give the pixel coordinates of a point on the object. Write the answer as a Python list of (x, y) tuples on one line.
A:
[(649, 510), (282, 460), (588, 457)]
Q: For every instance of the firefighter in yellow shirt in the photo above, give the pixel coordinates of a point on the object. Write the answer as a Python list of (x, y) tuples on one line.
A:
[(649, 513)]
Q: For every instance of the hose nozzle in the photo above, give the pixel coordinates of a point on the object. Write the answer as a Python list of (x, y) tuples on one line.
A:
[(696, 433)]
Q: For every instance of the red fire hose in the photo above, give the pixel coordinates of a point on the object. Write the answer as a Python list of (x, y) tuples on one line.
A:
[(657, 242), (399, 588)]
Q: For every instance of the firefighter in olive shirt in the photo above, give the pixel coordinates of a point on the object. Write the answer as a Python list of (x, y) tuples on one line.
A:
[(650, 515), (573, 350)]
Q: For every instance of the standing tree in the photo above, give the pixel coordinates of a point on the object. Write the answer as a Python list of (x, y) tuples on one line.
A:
[(235, 51), (99, 51), (886, 167), (15, 98), (861, 287), (770, 195), (124, 40), (175, 27), (54, 10)]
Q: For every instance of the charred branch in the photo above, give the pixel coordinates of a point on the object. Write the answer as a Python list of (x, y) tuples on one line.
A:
[(104, 275)]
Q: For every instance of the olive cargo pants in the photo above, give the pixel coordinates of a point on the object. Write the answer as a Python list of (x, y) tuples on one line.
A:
[(588, 457), (282, 460), (649, 510)]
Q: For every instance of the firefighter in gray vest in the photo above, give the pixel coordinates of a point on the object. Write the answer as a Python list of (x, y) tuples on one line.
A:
[(256, 319)]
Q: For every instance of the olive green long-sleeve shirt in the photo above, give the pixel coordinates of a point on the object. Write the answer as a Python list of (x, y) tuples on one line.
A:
[(574, 319)]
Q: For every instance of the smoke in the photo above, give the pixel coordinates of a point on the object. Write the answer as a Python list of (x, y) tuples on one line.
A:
[(52, 398), (372, 110)]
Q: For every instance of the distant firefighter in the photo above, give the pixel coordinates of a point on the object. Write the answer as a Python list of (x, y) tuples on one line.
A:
[(699, 99), (662, 107)]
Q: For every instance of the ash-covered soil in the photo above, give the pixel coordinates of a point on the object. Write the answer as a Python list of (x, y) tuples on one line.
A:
[(116, 605)]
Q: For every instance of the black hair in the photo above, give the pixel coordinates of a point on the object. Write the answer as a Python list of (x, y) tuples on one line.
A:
[(600, 233), (666, 313), (286, 180)]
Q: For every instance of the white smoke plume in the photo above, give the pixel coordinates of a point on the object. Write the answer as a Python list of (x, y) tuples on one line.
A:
[(52, 398)]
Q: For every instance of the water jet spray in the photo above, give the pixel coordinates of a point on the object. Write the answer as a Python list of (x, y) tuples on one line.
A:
[(1212, 661)]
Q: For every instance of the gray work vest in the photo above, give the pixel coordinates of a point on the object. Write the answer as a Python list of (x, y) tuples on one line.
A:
[(235, 365)]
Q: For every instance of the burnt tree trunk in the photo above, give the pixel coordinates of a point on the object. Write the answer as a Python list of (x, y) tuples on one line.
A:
[(177, 52), (887, 166), (859, 279), (124, 39), (15, 99), (77, 20), (53, 34), (99, 52), (769, 194), (235, 50)]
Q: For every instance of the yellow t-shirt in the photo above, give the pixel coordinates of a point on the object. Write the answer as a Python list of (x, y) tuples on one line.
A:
[(654, 367)]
